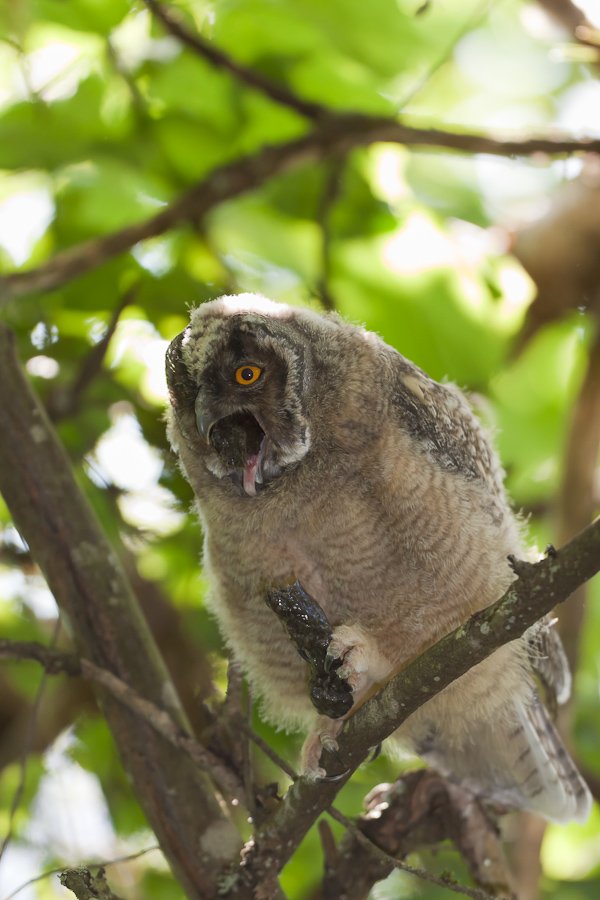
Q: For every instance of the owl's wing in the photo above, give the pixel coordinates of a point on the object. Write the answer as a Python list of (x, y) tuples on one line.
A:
[(549, 662), (518, 761), (522, 765), (440, 420)]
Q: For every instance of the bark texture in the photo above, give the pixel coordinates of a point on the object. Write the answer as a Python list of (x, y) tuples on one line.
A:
[(99, 609)]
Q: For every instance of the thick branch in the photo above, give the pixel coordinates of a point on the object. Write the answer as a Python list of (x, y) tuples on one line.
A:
[(88, 583), (217, 57), (336, 136), (540, 587)]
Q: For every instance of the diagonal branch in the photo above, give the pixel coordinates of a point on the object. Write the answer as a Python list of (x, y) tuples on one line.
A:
[(65, 402), (219, 58), (539, 588), (335, 136), (421, 809), (385, 859), (55, 661)]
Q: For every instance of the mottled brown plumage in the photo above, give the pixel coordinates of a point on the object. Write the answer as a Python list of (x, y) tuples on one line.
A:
[(346, 467)]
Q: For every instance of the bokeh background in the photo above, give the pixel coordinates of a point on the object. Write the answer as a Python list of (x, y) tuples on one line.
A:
[(104, 119)]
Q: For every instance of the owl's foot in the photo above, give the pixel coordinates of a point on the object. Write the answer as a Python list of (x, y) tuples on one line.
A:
[(362, 663), (321, 738)]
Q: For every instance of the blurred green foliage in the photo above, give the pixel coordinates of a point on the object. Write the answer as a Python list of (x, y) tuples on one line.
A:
[(104, 119)]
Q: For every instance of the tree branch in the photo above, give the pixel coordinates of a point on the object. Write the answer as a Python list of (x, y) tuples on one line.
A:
[(385, 859), (420, 809), (92, 591), (336, 136), (219, 58), (86, 886), (540, 587), (57, 661)]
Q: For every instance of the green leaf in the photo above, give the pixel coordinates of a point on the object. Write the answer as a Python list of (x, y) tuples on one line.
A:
[(84, 15)]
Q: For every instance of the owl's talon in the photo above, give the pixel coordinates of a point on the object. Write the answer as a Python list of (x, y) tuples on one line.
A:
[(335, 651), (328, 742), (316, 775), (375, 753), (324, 779)]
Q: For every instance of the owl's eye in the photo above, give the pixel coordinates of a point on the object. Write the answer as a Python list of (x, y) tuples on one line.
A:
[(247, 374)]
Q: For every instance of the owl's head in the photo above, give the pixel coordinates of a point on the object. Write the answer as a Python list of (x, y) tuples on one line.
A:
[(239, 378)]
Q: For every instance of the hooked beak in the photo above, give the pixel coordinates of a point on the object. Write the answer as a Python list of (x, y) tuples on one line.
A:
[(204, 421)]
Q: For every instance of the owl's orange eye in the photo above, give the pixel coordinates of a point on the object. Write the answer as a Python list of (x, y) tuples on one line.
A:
[(247, 374)]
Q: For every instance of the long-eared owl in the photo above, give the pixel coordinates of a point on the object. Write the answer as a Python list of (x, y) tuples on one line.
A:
[(318, 453)]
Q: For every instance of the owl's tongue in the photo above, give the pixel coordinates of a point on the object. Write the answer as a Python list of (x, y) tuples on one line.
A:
[(251, 470)]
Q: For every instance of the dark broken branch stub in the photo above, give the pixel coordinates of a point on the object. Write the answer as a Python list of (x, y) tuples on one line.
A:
[(310, 632)]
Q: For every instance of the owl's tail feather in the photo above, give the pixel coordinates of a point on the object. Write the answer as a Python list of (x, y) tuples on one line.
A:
[(520, 766)]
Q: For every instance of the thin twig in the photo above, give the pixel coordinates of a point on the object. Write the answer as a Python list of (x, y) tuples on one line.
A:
[(474, 893), (249, 76), (30, 734), (65, 402), (335, 136), (54, 661), (162, 722), (268, 751)]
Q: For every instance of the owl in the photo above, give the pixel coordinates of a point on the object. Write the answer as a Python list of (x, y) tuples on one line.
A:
[(318, 454)]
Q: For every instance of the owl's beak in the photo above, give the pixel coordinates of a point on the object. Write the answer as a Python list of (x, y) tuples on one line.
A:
[(204, 422)]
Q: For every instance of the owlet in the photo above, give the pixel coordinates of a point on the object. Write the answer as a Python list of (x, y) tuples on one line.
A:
[(318, 453)]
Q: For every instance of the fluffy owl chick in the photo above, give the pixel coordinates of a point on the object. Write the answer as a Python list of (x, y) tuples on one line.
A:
[(316, 452)]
